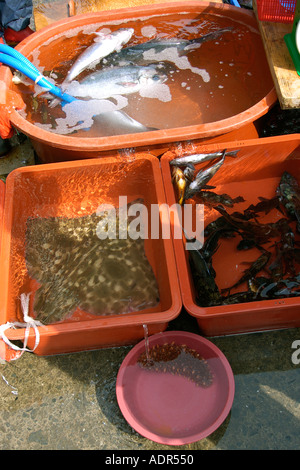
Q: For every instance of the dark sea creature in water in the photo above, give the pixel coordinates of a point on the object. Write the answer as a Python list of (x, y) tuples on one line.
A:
[(177, 359), (207, 291), (289, 195), (238, 298), (286, 249), (261, 233), (264, 205), (252, 271), (76, 268), (222, 223), (246, 244), (270, 289), (209, 198), (275, 273)]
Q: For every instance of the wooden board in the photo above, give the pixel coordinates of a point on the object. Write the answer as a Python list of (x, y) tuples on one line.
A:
[(285, 77), (46, 13)]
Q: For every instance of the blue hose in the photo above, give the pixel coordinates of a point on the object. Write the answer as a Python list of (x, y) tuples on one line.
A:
[(16, 60), (235, 3)]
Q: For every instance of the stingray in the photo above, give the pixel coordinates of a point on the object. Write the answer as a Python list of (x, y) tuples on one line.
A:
[(75, 268)]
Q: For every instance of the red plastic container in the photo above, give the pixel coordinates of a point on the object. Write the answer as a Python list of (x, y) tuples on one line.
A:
[(254, 172), (74, 189), (279, 11)]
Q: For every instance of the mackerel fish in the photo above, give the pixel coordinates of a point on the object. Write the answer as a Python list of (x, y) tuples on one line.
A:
[(117, 81), (103, 45), (196, 158), (135, 53)]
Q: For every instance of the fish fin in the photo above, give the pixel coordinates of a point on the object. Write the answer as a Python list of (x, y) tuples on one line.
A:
[(100, 36), (211, 36), (127, 84), (238, 199), (246, 262)]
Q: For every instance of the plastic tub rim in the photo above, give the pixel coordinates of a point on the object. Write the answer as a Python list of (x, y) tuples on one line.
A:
[(137, 139)]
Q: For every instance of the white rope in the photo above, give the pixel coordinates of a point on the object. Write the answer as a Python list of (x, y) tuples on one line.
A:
[(28, 323)]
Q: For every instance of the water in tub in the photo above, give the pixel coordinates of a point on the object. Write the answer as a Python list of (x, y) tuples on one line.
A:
[(166, 76)]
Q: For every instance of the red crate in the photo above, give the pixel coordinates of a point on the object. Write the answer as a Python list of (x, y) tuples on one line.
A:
[(280, 11)]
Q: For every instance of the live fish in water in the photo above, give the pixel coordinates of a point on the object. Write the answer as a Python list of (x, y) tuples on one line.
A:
[(103, 45), (252, 271), (207, 291), (196, 158), (203, 177), (77, 269), (264, 205), (259, 232), (286, 249), (289, 194), (270, 289), (281, 266), (180, 181), (177, 359), (135, 53), (209, 198), (117, 81), (222, 223)]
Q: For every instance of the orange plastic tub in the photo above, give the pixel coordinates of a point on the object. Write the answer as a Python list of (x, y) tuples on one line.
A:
[(2, 196), (233, 86), (76, 189), (254, 173)]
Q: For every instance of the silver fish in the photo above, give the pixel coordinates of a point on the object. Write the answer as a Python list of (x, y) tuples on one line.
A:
[(134, 53), (117, 81), (200, 158), (103, 45), (203, 177), (113, 123)]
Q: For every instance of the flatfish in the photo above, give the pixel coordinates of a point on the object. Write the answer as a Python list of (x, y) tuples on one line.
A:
[(75, 268)]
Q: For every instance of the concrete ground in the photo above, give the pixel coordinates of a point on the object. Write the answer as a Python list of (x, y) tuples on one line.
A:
[(69, 401)]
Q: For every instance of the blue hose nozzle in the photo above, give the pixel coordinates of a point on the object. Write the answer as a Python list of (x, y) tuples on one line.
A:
[(18, 61)]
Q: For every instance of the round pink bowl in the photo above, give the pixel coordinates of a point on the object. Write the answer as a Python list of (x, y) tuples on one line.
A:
[(167, 408)]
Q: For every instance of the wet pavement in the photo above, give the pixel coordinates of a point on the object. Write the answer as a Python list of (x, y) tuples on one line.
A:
[(69, 401)]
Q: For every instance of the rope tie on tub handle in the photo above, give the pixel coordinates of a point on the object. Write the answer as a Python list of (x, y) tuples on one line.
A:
[(28, 323)]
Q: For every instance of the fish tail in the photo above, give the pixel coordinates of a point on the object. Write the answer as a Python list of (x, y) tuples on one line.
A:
[(232, 153)]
